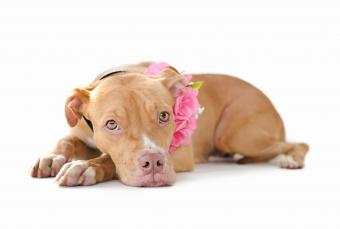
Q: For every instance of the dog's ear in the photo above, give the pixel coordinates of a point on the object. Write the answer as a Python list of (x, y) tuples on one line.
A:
[(173, 80), (75, 105)]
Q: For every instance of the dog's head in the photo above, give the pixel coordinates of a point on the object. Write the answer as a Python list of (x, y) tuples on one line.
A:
[(132, 117)]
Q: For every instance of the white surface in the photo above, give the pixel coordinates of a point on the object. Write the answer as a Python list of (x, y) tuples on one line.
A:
[(290, 50)]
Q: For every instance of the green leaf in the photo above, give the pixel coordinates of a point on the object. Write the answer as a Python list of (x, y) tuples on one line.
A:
[(196, 85)]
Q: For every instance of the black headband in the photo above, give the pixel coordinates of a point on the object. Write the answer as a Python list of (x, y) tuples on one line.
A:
[(110, 74)]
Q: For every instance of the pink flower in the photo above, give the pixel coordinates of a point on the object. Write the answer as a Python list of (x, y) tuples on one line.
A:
[(185, 109), (182, 137), (155, 68), (186, 104)]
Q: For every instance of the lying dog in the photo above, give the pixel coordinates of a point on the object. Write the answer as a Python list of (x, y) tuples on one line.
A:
[(122, 126)]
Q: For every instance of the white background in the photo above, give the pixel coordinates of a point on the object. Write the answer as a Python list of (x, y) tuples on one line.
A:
[(289, 49)]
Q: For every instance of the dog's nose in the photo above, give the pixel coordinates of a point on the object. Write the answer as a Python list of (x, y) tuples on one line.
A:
[(151, 162)]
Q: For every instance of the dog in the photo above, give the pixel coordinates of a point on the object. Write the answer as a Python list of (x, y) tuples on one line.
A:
[(122, 126)]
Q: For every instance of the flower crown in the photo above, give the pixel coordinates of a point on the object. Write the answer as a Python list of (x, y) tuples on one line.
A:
[(185, 109)]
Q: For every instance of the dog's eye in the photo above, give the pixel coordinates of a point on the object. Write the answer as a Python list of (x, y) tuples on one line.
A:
[(112, 125), (164, 117)]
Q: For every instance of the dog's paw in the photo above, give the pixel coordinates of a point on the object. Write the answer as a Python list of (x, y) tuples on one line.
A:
[(48, 166), (287, 162), (76, 173)]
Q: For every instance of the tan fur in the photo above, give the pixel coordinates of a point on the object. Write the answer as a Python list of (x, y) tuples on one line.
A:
[(246, 122), (238, 118)]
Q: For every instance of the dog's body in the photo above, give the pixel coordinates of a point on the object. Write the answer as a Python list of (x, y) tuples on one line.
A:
[(237, 120)]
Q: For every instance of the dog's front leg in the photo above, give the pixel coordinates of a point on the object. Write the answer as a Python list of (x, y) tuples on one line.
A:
[(68, 149), (183, 159), (87, 172)]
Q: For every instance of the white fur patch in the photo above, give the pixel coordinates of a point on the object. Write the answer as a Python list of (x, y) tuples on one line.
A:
[(76, 173), (50, 165), (200, 110), (237, 157), (60, 159), (90, 142), (89, 176), (285, 161), (149, 144)]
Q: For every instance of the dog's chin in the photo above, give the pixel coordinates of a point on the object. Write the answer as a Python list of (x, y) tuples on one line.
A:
[(151, 180)]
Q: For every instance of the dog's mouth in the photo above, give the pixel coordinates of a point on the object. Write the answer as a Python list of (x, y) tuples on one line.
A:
[(151, 180), (154, 180)]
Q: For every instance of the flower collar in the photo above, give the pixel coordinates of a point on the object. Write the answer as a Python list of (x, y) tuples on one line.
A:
[(185, 109)]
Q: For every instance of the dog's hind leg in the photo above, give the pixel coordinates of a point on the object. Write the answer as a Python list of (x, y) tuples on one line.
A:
[(258, 138), (286, 155), (67, 149)]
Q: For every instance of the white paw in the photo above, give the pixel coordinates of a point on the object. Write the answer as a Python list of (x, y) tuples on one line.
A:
[(76, 173), (48, 166), (237, 157), (287, 161)]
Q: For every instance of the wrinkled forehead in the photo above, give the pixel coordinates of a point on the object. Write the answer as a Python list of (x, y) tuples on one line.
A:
[(131, 92)]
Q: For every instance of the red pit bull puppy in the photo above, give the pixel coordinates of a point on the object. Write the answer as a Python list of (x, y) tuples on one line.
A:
[(122, 126)]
